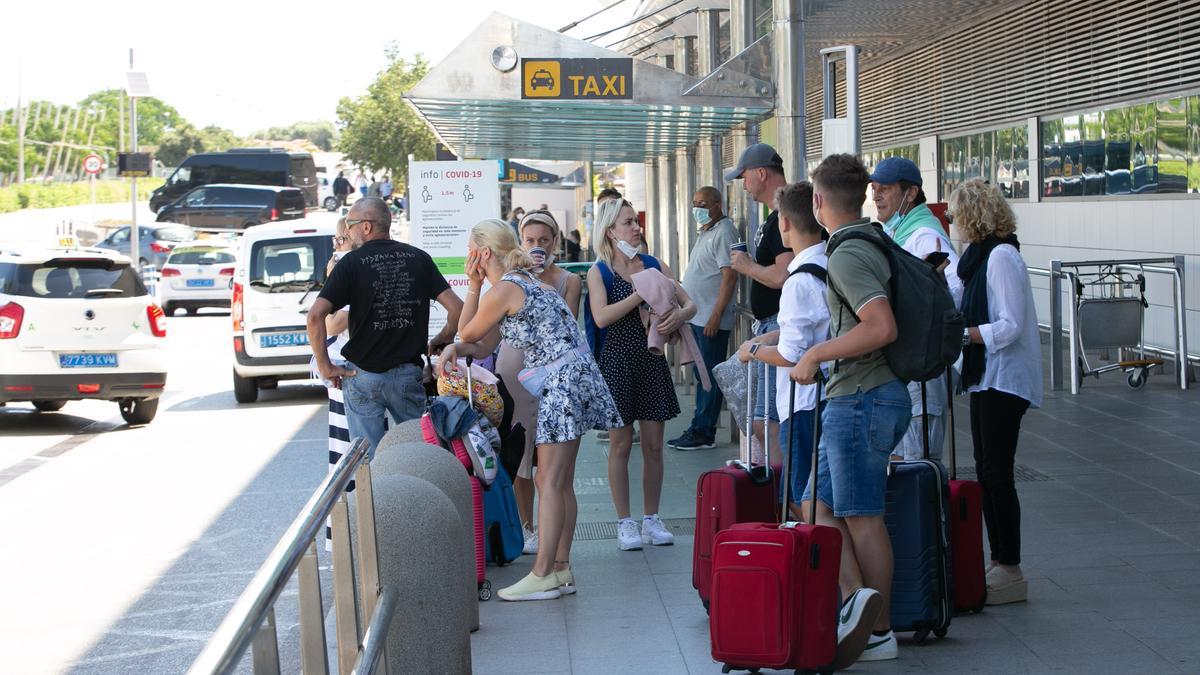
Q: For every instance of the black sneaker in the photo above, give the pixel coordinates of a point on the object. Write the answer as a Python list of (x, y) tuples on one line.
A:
[(855, 621), (690, 440)]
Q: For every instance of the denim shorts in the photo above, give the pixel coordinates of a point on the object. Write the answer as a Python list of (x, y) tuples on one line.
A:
[(764, 405), (858, 433)]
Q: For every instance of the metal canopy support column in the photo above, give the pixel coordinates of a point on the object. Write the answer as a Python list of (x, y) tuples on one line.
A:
[(651, 205), (788, 49), (741, 208), (708, 47), (680, 234), (661, 241)]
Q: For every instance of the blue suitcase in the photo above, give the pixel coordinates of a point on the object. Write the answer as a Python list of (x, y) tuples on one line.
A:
[(922, 590), (503, 537)]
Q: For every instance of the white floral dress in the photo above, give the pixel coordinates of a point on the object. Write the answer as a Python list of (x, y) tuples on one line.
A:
[(575, 397)]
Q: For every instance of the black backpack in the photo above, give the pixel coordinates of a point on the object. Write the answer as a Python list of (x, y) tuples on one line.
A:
[(929, 327)]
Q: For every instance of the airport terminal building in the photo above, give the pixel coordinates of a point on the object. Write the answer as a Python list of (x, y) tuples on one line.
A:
[(1086, 114)]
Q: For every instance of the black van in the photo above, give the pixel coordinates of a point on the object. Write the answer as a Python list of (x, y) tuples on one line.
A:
[(234, 206), (244, 166)]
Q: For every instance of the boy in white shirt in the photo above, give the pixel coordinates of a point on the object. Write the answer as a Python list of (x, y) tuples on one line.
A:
[(803, 322)]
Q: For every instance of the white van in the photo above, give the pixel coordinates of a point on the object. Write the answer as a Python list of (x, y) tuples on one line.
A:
[(280, 270)]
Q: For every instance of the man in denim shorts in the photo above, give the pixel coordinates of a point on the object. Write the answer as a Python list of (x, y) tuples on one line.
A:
[(867, 410), (760, 169)]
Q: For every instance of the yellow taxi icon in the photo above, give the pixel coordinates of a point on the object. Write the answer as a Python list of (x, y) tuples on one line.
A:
[(543, 79)]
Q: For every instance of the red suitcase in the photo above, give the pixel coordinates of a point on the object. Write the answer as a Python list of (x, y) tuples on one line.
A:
[(460, 452), (775, 591), (735, 493), (966, 529)]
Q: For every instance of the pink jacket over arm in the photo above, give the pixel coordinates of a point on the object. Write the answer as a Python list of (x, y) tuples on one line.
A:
[(659, 292)]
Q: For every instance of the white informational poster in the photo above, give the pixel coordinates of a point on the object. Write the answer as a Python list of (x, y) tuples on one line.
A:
[(446, 200)]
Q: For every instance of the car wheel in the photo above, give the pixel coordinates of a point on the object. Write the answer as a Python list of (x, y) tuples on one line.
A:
[(331, 204), (192, 311), (245, 389), (138, 410), (168, 308), (49, 406)]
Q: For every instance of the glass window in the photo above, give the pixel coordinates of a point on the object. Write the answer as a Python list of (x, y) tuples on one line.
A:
[(1171, 125), (283, 265), (174, 233), (1000, 157), (1145, 148), (1021, 162), (1194, 143), (95, 279), (1117, 152), (196, 197)]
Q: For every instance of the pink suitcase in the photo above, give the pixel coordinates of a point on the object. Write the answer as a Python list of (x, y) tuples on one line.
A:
[(460, 451)]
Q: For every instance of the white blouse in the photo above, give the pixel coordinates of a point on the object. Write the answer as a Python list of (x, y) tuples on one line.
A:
[(1012, 340)]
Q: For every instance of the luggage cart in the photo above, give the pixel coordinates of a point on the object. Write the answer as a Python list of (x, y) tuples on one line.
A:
[(1111, 319)]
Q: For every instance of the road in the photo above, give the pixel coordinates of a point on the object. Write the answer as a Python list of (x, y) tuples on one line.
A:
[(124, 548)]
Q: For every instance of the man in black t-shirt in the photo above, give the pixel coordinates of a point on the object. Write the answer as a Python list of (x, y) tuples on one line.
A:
[(761, 171), (388, 286)]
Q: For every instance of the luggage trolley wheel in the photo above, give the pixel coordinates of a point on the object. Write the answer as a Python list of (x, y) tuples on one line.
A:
[(485, 590), (729, 668), (1137, 378), (921, 636)]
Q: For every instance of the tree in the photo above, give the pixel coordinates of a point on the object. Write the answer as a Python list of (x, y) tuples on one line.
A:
[(379, 130), (320, 133), (177, 144), (155, 118)]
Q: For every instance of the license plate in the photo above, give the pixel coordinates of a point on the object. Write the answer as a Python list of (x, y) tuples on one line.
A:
[(87, 360), (200, 283), (283, 340)]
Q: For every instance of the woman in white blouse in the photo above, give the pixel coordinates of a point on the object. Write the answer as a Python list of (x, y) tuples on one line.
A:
[(1002, 368)]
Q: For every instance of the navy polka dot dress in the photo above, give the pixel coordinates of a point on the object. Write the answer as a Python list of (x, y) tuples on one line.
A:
[(639, 380)]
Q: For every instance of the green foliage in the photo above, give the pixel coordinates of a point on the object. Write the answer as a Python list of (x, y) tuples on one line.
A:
[(177, 144), (37, 196), (379, 130), (155, 118), (320, 133)]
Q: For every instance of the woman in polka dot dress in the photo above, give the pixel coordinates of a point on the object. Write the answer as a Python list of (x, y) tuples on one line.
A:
[(639, 380)]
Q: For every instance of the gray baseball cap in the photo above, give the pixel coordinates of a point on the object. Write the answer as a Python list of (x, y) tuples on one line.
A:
[(756, 156)]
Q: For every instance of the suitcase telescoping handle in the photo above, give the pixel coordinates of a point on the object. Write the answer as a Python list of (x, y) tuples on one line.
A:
[(761, 475), (950, 412), (470, 385), (924, 424), (816, 444)]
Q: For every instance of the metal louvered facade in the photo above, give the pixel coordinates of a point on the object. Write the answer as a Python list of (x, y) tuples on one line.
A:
[(1033, 58)]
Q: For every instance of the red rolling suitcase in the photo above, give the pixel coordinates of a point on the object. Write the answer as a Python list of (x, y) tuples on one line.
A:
[(735, 493), (966, 529), (459, 449), (775, 591)]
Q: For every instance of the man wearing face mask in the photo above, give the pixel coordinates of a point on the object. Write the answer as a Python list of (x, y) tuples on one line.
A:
[(900, 206), (710, 281), (761, 170)]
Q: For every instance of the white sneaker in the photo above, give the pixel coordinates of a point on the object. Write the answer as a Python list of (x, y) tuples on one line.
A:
[(855, 621), (654, 532), (531, 541), (628, 536), (881, 648)]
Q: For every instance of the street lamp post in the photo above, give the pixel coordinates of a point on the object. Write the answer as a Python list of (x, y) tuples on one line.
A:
[(136, 86)]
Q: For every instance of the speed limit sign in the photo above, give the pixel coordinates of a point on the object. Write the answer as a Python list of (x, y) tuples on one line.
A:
[(92, 164)]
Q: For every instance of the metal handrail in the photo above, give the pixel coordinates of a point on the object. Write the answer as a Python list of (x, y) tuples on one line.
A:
[(374, 638), (255, 606)]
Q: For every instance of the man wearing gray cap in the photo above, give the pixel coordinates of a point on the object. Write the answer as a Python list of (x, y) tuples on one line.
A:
[(761, 170), (900, 206)]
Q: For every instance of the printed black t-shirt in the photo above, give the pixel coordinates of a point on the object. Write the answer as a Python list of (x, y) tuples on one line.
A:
[(764, 300), (388, 285)]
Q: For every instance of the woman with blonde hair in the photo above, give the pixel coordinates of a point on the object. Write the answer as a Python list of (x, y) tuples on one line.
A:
[(559, 371), (1002, 368), (538, 233), (640, 381)]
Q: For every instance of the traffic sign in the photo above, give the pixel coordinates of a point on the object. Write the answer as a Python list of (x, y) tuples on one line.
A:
[(92, 164)]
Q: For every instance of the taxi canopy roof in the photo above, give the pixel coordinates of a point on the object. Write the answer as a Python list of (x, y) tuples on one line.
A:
[(477, 108)]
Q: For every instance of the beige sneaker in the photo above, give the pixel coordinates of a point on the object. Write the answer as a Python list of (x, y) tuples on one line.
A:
[(1004, 587), (532, 587), (566, 581)]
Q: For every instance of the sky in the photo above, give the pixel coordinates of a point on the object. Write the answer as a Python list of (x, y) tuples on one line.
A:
[(245, 65)]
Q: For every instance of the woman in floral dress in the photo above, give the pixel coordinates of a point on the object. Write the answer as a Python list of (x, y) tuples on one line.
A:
[(573, 395)]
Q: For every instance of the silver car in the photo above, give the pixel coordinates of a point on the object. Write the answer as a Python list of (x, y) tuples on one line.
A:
[(157, 240)]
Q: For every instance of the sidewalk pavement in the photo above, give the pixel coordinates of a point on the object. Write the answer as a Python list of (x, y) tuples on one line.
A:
[(1110, 492)]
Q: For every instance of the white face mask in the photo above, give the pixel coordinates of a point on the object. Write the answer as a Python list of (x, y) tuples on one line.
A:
[(627, 248), (701, 215)]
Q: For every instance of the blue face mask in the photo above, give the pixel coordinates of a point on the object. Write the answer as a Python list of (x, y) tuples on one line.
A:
[(893, 223), (701, 215)]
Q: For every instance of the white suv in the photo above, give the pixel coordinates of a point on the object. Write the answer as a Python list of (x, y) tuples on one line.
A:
[(197, 275), (280, 270), (78, 324)]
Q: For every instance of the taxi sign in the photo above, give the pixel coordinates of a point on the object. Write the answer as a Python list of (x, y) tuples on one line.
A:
[(575, 79)]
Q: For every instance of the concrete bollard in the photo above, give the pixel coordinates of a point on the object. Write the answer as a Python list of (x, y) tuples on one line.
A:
[(419, 534), (404, 432), (438, 466)]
